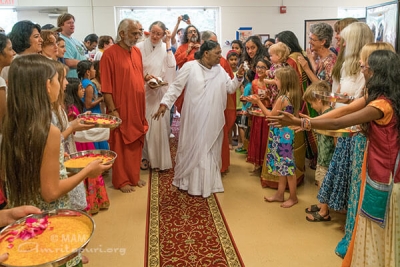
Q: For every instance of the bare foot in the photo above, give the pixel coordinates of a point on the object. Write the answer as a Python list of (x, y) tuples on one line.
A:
[(85, 260), (274, 198), (141, 183), (289, 203), (127, 189)]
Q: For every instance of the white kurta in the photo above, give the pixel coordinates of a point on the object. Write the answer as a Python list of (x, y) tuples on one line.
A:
[(198, 159), (351, 85), (159, 63)]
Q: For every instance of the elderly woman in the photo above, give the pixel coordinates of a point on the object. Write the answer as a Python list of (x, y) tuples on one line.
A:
[(159, 70), (49, 46), (198, 159), (320, 39)]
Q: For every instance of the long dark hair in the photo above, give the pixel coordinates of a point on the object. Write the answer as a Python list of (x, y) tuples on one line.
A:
[(259, 54), (26, 127), (71, 95), (385, 80), (185, 38), (290, 39)]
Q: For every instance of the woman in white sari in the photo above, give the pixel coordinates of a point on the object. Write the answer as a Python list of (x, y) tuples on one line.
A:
[(159, 70), (198, 159)]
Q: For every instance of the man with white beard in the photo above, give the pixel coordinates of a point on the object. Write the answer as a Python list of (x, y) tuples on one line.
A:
[(123, 88)]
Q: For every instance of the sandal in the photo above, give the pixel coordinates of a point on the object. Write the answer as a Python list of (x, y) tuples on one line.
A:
[(144, 165), (318, 218), (313, 208)]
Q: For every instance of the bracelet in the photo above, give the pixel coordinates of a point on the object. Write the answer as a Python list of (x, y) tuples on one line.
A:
[(305, 124), (169, 49), (112, 111)]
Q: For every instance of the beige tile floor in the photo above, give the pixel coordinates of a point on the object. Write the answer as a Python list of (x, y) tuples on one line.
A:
[(265, 234)]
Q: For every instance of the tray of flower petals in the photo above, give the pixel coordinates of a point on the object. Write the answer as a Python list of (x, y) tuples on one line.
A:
[(100, 120), (77, 161), (256, 112), (331, 97), (53, 238)]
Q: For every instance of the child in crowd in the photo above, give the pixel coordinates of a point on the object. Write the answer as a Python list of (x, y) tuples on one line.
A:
[(96, 194), (97, 82), (326, 147), (280, 160), (259, 126), (278, 54), (233, 57), (243, 121), (237, 45), (91, 99)]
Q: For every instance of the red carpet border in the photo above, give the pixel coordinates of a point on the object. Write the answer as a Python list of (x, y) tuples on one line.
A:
[(183, 230)]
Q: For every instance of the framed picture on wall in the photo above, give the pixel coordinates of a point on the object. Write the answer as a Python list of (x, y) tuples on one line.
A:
[(383, 21), (263, 37), (243, 33)]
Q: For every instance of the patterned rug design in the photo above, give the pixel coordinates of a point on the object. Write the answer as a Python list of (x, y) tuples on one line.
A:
[(183, 230)]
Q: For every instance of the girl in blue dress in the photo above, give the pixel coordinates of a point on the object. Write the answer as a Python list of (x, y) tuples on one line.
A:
[(280, 160), (92, 97)]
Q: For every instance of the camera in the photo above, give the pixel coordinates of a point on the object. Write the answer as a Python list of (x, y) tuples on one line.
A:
[(185, 17)]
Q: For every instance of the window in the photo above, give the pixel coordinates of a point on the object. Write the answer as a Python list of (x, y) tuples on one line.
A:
[(351, 12), (8, 17), (203, 18)]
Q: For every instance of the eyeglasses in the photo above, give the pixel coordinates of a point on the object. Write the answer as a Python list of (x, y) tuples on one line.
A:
[(314, 40), (192, 31), (137, 33), (158, 34), (261, 67), (363, 67)]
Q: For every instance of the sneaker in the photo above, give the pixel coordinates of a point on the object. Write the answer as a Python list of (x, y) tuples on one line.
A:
[(171, 135), (241, 150)]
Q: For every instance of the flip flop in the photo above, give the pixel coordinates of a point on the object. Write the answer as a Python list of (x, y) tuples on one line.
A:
[(313, 208), (144, 165), (319, 218)]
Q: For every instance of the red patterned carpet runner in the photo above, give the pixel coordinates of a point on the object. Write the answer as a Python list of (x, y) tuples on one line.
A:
[(183, 230)]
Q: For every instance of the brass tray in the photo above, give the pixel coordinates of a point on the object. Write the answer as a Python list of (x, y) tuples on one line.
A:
[(94, 116), (331, 97), (256, 112), (104, 152), (347, 132)]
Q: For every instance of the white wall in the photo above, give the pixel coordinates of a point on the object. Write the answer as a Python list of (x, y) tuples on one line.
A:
[(263, 15)]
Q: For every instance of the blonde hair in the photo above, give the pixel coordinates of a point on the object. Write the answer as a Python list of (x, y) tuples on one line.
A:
[(281, 50), (314, 87), (355, 36), (367, 49), (290, 86)]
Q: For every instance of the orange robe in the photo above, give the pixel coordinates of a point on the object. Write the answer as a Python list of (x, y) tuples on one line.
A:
[(230, 118), (122, 77), (181, 58)]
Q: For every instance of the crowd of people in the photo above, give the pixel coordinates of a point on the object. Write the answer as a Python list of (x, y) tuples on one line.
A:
[(263, 94)]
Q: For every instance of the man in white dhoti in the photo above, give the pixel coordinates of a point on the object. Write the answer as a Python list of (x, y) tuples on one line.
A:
[(158, 66), (198, 159)]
